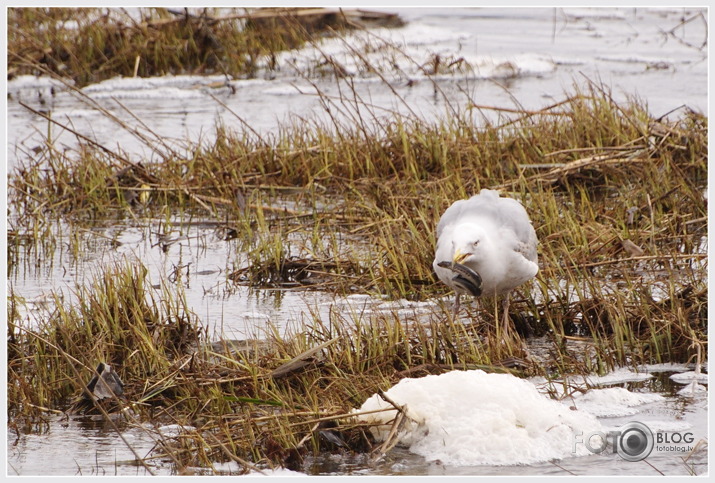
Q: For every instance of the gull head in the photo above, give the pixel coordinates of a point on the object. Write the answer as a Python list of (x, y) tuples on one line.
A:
[(469, 244)]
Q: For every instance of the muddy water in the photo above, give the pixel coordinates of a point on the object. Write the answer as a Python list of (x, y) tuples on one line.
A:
[(529, 56)]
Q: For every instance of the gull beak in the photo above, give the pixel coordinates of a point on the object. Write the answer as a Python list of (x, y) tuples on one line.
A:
[(459, 256)]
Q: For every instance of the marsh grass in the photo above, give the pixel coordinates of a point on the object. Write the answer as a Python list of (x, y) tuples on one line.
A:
[(268, 401), (259, 401), (366, 202), (93, 44), (617, 198)]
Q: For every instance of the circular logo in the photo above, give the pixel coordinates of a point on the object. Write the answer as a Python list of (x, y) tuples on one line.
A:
[(635, 442)]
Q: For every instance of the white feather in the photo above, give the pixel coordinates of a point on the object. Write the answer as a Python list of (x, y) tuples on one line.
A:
[(497, 234)]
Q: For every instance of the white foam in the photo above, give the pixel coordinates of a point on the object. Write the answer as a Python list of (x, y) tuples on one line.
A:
[(31, 81), (139, 83), (475, 418), (618, 376), (692, 389), (172, 430), (416, 33), (168, 86), (412, 51), (613, 401), (666, 367), (688, 377), (505, 67)]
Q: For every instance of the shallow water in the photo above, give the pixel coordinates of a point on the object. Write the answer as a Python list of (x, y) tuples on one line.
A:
[(532, 56)]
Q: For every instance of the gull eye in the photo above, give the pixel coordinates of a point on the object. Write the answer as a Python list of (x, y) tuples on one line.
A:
[(475, 243)]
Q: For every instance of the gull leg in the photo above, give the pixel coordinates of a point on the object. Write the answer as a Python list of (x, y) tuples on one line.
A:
[(456, 304), (505, 312)]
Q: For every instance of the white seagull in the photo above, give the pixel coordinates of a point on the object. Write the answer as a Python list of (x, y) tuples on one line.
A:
[(486, 246)]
